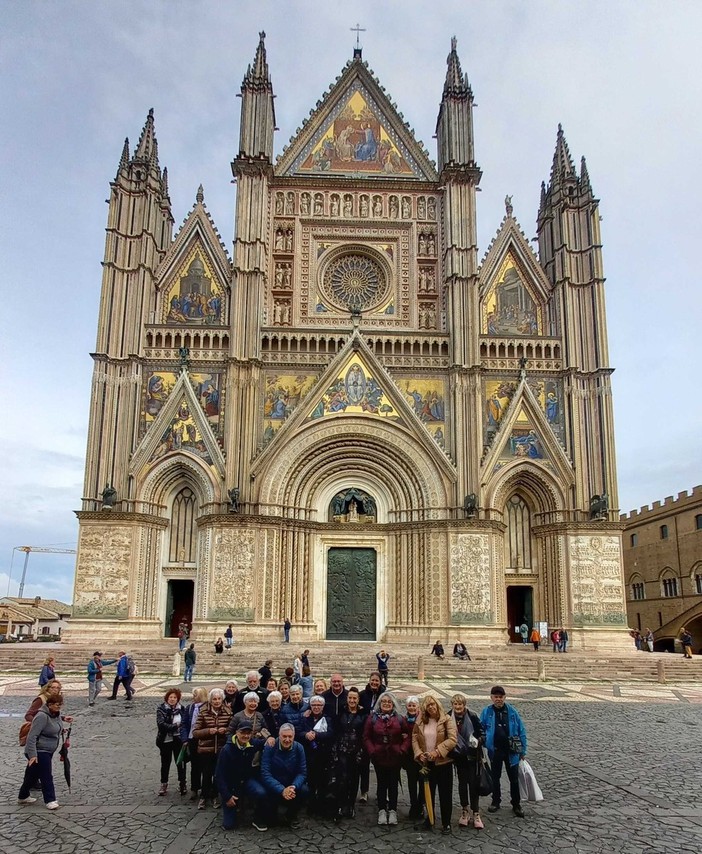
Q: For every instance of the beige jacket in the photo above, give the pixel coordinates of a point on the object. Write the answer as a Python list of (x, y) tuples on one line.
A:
[(446, 738)]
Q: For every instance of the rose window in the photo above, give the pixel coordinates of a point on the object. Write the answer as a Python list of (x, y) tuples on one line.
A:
[(354, 282)]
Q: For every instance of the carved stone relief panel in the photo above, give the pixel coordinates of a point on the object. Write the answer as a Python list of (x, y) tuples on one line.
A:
[(232, 590), (596, 580), (471, 582), (102, 574)]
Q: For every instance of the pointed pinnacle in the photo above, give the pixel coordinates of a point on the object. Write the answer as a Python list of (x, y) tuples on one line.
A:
[(200, 195), (542, 200), (258, 72), (456, 84), (164, 181), (584, 176), (562, 166), (147, 148), (124, 159)]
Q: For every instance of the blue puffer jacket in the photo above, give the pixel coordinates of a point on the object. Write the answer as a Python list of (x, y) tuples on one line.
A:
[(516, 727), (292, 714), (282, 768)]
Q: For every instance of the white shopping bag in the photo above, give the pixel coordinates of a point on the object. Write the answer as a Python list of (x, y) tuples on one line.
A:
[(321, 725), (529, 789)]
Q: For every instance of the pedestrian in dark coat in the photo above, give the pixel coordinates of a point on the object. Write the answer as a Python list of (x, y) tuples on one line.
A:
[(169, 720), (467, 754), (385, 739), (47, 672), (369, 697), (318, 739), (348, 754), (42, 743), (236, 780)]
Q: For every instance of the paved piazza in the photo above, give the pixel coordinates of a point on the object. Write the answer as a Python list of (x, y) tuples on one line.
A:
[(620, 767)]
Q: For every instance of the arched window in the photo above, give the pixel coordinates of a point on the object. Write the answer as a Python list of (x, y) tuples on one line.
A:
[(518, 535), (696, 575), (669, 584), (183, 534), (637, 588)]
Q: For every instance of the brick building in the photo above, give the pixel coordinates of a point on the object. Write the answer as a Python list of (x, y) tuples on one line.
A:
[(663, 567)]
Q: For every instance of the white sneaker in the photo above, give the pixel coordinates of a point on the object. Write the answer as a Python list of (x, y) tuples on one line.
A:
[(392, 816), (52, 805), (382, 817), (26, 801)]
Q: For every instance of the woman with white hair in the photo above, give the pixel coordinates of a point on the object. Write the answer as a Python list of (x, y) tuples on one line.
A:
[(250, 714), (318, 739), (385, 740), (273, 717), (233, 697), (293, 712), (211, 734)]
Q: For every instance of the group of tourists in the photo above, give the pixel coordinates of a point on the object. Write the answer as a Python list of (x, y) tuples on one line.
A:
[(269, 747)]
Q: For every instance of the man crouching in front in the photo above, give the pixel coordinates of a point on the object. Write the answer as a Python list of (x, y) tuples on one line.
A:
[(235, 778), (284, 776)]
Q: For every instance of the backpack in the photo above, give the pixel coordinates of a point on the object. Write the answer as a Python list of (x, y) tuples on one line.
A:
[(131, 667), (24, 732)]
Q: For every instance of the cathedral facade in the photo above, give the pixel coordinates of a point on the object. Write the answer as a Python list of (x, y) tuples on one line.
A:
[(352, 421)]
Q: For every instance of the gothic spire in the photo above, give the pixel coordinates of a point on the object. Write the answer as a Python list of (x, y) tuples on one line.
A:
[(147, 147), (257, 110), (562, 166), (454, 125), (164, 181), (258, 74), (456, 84), (585, 185), (124, 159)]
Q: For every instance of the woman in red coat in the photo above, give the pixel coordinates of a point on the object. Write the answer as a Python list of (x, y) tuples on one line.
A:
[(385, 739)]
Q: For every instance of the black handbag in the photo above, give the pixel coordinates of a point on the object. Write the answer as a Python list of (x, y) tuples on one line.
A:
[(485, 779)]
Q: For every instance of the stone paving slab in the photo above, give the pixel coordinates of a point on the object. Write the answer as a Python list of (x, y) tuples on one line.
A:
[(618, 777)]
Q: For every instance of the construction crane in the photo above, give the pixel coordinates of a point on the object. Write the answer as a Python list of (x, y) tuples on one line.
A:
[(28, 550)]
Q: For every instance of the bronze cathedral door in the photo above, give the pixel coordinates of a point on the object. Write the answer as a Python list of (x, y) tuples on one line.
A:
[(351, 594)]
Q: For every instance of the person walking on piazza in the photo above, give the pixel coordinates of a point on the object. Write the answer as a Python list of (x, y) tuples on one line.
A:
[(563, 640), (183, 635), (524, 632), (48, 671), (42, 742), (686, 641), (506, 742), (95, 666), (535, 638), (382, 658), (433, 739), (385, 738), (467, 755), (555, 640), (229, 637), (236, 779), (210, 734), (284, 776), (126, 671), (648, 637), (169, 720), (190, 660)]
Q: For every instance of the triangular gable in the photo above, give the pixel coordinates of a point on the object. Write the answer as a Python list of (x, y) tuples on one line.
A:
[(195, 276), (356, 132), (514, 289), (524, 435), (181, 427), (357, 384)]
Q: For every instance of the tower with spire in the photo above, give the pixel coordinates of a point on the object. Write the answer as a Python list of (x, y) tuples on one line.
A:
[(353, 420)]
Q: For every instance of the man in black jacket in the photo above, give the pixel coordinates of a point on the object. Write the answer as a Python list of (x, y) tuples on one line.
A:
[(235, 778), (335, 698)]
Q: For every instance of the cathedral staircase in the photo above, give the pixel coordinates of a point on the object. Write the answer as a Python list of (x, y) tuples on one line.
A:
[(514, 663)]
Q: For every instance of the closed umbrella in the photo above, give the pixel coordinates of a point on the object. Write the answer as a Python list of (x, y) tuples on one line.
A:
[(424, 773), (184, 755), (63, 754)]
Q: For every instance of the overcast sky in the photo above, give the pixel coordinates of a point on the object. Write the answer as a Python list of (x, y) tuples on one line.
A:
[(623, 78)]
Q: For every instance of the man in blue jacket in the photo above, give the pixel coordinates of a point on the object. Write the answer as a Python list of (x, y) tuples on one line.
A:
[(235, 776), (284, 775), (506, 742), (123, 677)]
